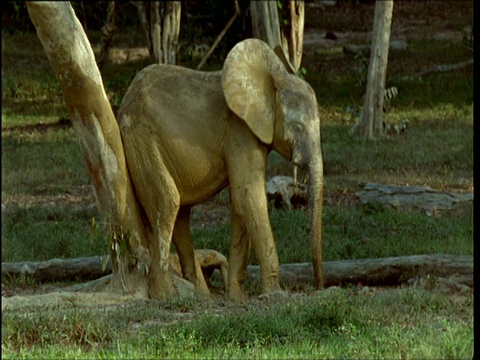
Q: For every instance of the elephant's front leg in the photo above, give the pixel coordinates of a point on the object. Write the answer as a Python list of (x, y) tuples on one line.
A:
[(251, 223), (183, 242), (162, 213), (160, 283)]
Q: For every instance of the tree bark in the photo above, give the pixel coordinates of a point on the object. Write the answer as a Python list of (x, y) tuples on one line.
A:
[(142, 17), (293, 15), (265, 23), (370, 123), (170, 31), (73, 61), (85, 268), (108, 30), (288, 34), (164, 30), (383, 271)]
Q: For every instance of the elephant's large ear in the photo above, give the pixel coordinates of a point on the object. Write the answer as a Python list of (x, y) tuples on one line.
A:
[(249, 86)]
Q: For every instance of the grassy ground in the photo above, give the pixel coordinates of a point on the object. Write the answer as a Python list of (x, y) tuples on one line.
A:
[(398, 323), (47, 212)]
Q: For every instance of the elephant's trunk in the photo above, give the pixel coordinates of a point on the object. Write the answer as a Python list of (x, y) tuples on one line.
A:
[(315, 190)]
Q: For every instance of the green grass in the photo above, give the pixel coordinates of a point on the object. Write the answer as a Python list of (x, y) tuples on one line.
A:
[(43, 233), (436, 150), (443, 159), (405, 323), (40, 160), (364, 231)]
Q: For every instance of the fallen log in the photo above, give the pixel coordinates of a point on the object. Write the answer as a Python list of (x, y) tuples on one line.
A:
[(445, 68), (382, 271), (395, 45), (95, 267), (411, 197), (84, 268)]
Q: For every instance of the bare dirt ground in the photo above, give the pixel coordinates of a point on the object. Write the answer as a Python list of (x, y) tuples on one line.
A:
[(411, 20)]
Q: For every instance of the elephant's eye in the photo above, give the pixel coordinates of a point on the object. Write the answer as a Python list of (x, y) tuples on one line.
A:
[(298, 127)]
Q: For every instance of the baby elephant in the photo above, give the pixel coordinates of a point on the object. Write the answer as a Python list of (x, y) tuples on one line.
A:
[(188, 134)]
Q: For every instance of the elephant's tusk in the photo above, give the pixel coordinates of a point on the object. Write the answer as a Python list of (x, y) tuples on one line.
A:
[(295, 175)]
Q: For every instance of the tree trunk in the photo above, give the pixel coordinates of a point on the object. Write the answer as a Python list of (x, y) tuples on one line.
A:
[(108, 30), (170, 31), (384, 271), (156, 31), (265, 23), (73, 61), (164, 30), (142, 17), (370, 123), (286, 32), (293, 14)]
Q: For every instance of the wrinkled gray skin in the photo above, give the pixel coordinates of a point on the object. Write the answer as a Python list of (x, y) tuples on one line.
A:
[(188, 134)]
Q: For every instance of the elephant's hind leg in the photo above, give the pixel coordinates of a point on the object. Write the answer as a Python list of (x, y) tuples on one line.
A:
[(182, 239), (158, 195)]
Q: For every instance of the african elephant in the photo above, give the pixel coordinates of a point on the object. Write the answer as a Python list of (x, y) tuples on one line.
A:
[(188, 134)]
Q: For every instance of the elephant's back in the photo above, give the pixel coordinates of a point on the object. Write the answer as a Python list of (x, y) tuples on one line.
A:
[(173, 89), (169, 100), (182, 116)]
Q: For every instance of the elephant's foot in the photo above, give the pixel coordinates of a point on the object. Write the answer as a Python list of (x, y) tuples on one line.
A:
[(237, 295), (202, 289), (161, 287), (270, 284)]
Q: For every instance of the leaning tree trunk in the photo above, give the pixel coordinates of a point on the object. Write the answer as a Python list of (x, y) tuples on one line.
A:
[(370, 123), (73, 61)]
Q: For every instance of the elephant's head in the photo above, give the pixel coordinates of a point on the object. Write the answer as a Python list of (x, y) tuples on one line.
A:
[(281, 110)]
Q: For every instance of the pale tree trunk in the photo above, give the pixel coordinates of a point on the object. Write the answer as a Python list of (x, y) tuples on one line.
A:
[(293, 11), (73, 61), (265, 23), (161, 23), (370, 123), (170, 29), (287, 33)]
